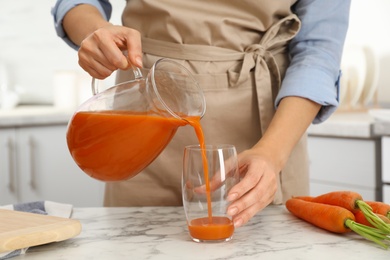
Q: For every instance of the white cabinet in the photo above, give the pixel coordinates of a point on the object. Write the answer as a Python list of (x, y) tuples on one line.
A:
[(8, 176), (386, 194), (386, 168), (36, 165), (345, 164), (386, 159)]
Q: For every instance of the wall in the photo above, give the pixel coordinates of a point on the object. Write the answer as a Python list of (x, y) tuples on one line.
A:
[(31, 50), (33, 53), (368, 27)]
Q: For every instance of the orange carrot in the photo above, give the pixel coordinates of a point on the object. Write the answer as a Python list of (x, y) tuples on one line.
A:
[(305, 198), (360, 218), (384, 218), (333, 218), (345, 199), (328, 217), (380, 208), (353, 202)]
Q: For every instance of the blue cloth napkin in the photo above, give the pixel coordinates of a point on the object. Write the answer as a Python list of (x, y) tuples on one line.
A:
[(38, 207)]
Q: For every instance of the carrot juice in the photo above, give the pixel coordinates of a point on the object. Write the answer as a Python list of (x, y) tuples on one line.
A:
[(210, 228), (117, 145), (219, 228)]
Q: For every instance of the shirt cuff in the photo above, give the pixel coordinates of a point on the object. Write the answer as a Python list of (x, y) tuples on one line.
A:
[(62, 7), (315, 85)]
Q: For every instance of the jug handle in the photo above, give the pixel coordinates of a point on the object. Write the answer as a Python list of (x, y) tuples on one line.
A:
[(95, 82)]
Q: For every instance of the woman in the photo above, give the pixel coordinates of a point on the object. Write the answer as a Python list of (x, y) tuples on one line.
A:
[(268, 70)]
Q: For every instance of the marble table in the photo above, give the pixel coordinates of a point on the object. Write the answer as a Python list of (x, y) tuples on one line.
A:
[(161, 233)]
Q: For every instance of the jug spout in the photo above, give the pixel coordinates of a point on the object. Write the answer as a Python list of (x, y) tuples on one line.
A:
[(174, 91)]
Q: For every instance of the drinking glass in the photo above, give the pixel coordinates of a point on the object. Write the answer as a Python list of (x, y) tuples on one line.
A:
[(208, 175)]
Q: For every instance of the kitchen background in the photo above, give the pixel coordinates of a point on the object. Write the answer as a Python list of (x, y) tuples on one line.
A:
[(33, 59), (38, 70), (37, 64)]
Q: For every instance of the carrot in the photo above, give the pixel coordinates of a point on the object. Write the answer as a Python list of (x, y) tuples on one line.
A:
[(380, 208), (305, 198), (334, 219), (328, 217), (384, 218), (345, 199), (360, 218), (353, 202)]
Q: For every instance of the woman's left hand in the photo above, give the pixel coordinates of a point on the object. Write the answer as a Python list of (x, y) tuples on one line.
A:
[(257, 187)]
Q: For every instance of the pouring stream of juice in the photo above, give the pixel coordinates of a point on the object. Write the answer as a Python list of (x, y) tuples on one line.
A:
[(195, 123)]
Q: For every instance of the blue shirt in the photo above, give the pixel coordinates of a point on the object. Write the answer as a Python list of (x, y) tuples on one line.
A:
[(314, 71)]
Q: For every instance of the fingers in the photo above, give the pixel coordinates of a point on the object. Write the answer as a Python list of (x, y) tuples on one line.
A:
[(249, 205), (255, 191), (219, 178), (134, 49), (214, 183), (102, 52), (94, 62)]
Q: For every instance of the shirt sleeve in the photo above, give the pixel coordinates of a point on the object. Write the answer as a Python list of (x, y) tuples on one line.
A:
[(63, 6), (316, 51)]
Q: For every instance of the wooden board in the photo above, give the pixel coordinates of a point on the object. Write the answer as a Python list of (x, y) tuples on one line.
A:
[(21, 229)]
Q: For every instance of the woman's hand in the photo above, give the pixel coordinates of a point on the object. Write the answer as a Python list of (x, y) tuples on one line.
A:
[(260, 165), (257, 187), (110, 48), (104, 47)]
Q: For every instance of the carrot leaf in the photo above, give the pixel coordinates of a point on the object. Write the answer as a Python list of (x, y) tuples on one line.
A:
[(372, 217), (369, 233)]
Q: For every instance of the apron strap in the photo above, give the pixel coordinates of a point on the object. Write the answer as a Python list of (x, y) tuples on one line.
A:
[(258, 57), (261, 58)]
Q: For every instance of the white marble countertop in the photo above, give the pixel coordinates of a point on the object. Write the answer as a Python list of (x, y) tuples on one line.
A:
[(155, 233)]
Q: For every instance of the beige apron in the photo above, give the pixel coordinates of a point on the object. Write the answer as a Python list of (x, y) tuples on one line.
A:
[(238, 55)]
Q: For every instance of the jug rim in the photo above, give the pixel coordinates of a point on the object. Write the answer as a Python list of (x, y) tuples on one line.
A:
[(138, 76), (189, 74)]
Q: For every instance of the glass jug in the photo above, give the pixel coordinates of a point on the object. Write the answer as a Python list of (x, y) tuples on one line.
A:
[(115, 134)]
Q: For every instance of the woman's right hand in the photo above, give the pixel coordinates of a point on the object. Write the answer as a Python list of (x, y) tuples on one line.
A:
[(109, 48)]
